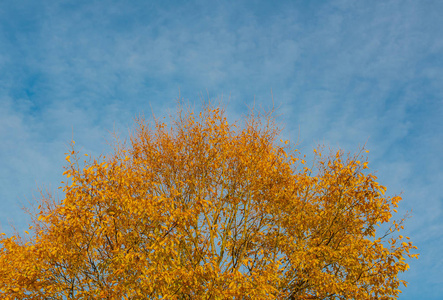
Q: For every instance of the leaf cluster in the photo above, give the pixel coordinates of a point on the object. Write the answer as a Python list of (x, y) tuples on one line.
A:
[(204, 209)]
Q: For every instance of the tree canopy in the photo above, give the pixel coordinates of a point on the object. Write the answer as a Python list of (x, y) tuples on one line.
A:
[(205, 209)]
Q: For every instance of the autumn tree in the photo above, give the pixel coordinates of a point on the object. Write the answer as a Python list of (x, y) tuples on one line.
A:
[(204, 209)]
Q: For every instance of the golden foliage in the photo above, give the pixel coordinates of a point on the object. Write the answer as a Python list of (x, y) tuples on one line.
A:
[(203, 209)]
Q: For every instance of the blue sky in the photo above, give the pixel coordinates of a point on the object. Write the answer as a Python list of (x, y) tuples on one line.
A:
[(343, 73)]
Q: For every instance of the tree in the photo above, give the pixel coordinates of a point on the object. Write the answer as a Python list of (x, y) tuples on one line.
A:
[(203, 209)]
